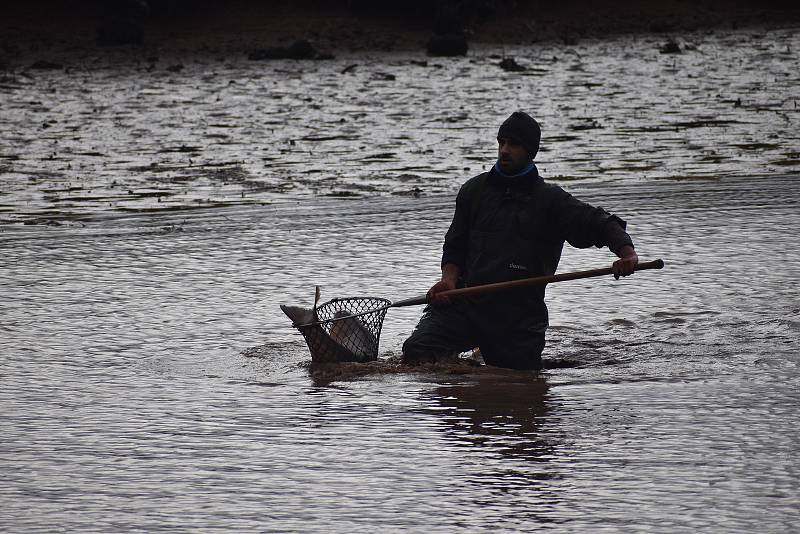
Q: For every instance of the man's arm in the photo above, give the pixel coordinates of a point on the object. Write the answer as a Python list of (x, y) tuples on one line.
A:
[(584, 225), (454, 249)]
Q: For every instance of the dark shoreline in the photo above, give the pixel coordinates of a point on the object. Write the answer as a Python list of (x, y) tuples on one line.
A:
[(53, 29)]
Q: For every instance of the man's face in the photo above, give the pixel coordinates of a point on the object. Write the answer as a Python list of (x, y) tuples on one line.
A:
[(512, 157)]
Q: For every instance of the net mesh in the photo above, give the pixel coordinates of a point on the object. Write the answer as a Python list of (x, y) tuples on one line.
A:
[(347, 329)]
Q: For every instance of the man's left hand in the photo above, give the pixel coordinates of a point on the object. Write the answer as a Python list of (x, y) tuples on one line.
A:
[(627, 262)]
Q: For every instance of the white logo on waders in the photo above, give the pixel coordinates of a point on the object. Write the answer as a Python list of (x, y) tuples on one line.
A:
[(517, 267)]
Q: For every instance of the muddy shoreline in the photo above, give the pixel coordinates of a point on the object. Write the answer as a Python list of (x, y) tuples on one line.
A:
[(127, 130), (52, 31)]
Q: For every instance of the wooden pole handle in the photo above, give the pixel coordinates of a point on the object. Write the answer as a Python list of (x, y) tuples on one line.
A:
[(535, 281)]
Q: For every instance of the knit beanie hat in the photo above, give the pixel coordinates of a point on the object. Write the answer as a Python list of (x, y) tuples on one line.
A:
[(523, 129)]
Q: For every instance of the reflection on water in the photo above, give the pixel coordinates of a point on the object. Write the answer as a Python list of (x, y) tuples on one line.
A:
[(150, 382), (501, 411)]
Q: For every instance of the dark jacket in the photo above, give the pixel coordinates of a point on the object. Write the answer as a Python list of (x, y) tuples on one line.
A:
[(511, 228)]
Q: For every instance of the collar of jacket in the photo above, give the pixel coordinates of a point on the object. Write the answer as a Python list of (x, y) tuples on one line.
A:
[(526, 178)]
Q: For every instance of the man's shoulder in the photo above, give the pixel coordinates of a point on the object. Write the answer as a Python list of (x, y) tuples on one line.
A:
[(474, 184), (550, 188), (554, 189), (475, 181)]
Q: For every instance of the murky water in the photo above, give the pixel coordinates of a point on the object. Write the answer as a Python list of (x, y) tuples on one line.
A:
[(149, 381)]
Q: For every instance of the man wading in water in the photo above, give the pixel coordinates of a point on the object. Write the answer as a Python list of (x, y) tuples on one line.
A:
[(509, 224)]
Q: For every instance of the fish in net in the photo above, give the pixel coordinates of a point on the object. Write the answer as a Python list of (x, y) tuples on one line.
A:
[(342, 329)]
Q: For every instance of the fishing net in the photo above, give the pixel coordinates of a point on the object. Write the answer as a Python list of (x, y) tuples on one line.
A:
[(346, 329)]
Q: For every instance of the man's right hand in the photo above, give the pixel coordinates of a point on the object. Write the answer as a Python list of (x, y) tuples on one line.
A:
[(434, 297), (450, 274)]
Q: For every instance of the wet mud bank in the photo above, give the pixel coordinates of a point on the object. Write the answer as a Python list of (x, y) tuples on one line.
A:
[(108, 135)]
